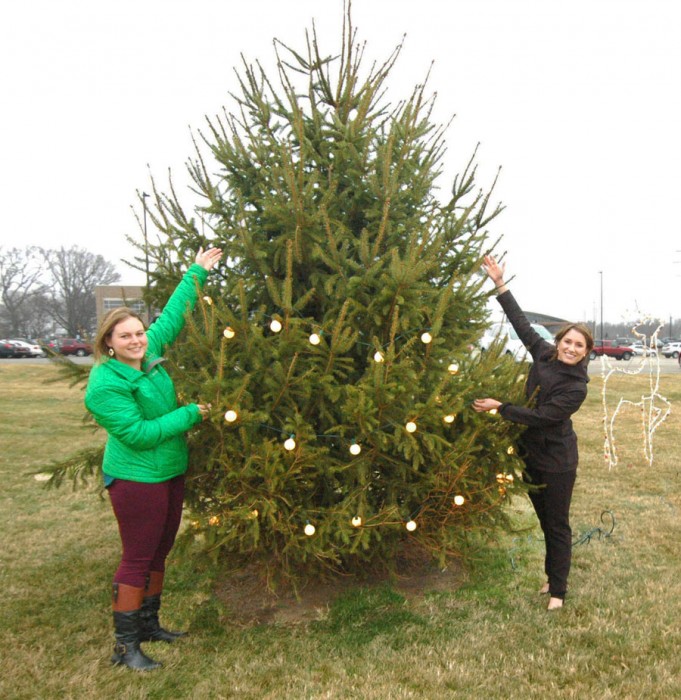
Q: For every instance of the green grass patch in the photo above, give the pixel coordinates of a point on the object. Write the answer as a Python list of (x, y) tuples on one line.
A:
[(491, 637)]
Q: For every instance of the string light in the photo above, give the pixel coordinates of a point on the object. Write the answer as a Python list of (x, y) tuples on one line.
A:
[(355, 449), (651, 416)]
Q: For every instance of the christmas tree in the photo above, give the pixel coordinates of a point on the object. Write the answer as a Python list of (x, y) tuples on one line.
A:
[(336, 344)]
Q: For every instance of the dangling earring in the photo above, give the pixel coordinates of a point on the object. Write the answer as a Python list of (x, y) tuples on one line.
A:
[(111, 352)]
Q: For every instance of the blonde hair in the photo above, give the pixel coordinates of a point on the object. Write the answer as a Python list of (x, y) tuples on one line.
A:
[(106, 328), (580, 328)]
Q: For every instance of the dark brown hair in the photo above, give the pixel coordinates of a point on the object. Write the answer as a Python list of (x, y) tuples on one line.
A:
[(580, 328), (106, 327)]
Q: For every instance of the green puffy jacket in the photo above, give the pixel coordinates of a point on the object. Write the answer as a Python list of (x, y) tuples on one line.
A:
[(138, 409)]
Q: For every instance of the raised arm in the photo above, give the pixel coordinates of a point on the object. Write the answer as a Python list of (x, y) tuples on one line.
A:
[(530, 338), (171, 321)]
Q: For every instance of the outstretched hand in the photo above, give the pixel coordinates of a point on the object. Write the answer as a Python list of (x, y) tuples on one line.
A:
[(208, 259), (494, 271), (484, 405)]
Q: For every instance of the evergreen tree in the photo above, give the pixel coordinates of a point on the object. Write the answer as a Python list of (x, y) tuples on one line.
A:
[(336, 343)]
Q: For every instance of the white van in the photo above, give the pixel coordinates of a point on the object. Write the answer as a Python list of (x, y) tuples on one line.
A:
[(512, 345)]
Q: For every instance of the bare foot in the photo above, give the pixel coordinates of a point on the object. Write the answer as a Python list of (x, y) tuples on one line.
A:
[(544, 589), (555, 604)]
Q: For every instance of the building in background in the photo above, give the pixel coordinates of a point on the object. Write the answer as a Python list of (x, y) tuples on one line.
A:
[(112, 296)]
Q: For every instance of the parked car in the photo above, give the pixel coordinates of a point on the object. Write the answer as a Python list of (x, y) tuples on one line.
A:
[(9, 348), (611, 349), (34, 350), (671, 350), (73, 346), (512, 345), (643, 350)]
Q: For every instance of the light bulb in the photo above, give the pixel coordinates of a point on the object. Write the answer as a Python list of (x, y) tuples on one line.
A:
[(453, 368), (411, 526), (275, 326), (355, 449), (426, 338), (314, 339), (410, 427), (450, 418), (459, 500), (231, 416), (310, 529), (356, 521), (290, 444), (378, 356), (228, 332)]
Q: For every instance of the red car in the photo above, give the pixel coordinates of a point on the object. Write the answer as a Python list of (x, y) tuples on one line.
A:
[(73, 346), (612, 349)]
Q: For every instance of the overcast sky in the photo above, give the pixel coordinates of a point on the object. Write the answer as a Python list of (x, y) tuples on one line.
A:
[(579, 102)]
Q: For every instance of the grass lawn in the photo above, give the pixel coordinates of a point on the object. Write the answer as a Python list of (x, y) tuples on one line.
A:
[(619, 635)]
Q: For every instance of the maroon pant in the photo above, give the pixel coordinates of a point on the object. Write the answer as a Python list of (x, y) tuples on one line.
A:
[(148, 518)]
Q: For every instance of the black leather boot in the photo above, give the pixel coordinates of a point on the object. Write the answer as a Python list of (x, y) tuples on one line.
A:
[(127, 601), (150, 627), (127, 648)]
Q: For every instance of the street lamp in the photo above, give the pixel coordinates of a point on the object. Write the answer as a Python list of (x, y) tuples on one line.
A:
[(146, 253), (600, 272)]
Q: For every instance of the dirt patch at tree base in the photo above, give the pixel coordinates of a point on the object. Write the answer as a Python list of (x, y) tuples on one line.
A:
[(251, 601)]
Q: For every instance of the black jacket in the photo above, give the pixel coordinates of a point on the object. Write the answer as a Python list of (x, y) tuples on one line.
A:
[(549, 443)]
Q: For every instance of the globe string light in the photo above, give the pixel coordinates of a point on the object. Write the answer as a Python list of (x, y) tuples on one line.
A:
[(276, 325)]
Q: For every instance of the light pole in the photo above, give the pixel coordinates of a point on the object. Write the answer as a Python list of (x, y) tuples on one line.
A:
[(146, 254), (600, 272)]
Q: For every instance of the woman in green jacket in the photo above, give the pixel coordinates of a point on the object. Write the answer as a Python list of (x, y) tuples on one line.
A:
[(132, 397)]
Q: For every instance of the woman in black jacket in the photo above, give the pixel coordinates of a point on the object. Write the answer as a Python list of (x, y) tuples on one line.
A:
[(557, 384)]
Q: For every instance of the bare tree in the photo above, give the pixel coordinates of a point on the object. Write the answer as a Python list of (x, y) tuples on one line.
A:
[(21, 270), (75, 273)]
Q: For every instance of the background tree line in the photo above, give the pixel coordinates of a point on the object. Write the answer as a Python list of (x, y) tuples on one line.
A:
[(43, 291), (624, 329)]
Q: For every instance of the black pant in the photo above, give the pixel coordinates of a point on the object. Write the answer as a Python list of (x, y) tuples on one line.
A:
[(552, 505)]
